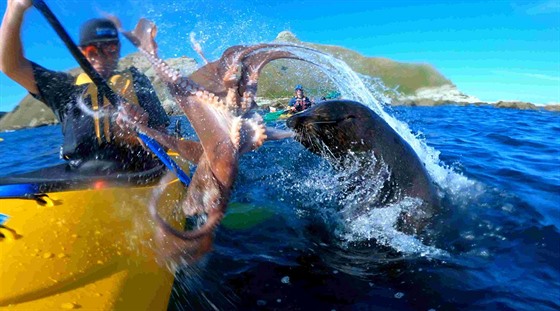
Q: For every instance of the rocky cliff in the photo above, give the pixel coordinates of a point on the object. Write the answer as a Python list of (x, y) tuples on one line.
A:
[(279, 78), (406, 84)]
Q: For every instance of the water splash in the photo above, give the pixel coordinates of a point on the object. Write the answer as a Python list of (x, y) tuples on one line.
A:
[(370, 92), (365, 213), (379, 224)]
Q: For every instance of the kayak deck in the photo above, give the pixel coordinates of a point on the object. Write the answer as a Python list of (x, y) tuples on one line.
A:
[(86, 244)]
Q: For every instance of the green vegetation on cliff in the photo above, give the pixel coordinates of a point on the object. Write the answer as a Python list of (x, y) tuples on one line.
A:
[(279, 78)]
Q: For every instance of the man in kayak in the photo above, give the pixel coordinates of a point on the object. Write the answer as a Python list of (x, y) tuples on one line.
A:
[(299, 102), (94, 132)]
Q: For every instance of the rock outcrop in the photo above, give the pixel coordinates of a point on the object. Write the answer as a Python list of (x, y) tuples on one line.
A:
[(405, 84), (552, 107), (279, 77), (515, 105), (435, 96)]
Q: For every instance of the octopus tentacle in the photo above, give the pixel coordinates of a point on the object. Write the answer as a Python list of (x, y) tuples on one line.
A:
[(217, 99), (171, 243), (196, 46), (214, 218)]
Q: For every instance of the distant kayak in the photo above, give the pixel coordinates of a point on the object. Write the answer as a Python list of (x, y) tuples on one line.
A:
[(277, 115), (273, 116)]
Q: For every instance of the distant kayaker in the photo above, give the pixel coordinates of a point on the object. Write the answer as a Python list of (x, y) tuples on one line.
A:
[(299, 102), (89, 136)]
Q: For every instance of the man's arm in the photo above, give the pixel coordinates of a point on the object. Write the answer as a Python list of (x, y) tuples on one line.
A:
[(291, 105), (292, 102), (12, 61)]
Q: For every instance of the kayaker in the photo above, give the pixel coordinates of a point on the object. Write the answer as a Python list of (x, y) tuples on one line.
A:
[(90, 134), (299, 102)]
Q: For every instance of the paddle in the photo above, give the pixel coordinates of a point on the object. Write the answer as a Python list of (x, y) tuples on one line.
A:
[(273, 116), (104, 88)]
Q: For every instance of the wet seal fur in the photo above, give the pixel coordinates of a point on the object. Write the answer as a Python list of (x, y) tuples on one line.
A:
[(336, 128)]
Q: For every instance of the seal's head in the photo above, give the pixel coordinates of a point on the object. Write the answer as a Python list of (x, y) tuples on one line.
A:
[(333, 127)]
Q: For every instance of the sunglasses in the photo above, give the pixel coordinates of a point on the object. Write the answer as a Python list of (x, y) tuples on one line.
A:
[(98, 49)]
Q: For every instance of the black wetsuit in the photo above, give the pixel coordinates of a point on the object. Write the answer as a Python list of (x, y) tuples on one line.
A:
[(59, 91)]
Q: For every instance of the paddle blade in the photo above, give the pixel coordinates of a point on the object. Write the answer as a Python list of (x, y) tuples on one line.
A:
[(273, 116)]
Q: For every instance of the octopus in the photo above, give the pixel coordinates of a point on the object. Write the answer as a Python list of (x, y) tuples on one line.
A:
[(218, 100)]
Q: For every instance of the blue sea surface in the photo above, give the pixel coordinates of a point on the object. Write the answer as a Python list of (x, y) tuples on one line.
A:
[(286, 245)]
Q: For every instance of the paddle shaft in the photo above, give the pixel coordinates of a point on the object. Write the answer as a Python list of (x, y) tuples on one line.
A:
[(103, 87)]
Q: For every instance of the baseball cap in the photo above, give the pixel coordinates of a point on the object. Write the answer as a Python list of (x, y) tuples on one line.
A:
[(98, 30)]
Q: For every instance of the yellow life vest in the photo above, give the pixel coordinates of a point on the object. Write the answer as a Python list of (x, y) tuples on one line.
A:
[(122, 84)]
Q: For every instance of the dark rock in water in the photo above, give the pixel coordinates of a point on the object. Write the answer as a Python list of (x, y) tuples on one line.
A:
[(553, 107), (515, 105)]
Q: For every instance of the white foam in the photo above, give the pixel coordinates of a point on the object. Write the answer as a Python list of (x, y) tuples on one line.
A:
[(352, 87), (379, 224)]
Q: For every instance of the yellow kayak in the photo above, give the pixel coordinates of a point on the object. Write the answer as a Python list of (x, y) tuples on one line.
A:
[(84, 243)]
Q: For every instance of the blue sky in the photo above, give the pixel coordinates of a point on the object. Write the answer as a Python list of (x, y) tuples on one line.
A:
[(494, 50)]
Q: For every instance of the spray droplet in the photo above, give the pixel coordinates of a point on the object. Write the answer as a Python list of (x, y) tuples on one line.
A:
[(399, 295), (48, 255), (286, 280)]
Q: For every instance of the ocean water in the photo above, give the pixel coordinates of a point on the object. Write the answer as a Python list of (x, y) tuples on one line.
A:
[(287, 243)]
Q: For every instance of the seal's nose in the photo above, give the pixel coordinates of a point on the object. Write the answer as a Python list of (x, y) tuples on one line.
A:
[(291, 122), (299, 119), (295, 121)]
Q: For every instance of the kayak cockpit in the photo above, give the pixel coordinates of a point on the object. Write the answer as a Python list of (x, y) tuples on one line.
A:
[(62, 177)]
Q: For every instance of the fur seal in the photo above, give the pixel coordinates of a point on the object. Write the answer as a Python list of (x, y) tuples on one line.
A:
[(336, 129)]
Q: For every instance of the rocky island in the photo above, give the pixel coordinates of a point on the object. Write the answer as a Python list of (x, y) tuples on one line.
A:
[(404, 84)]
